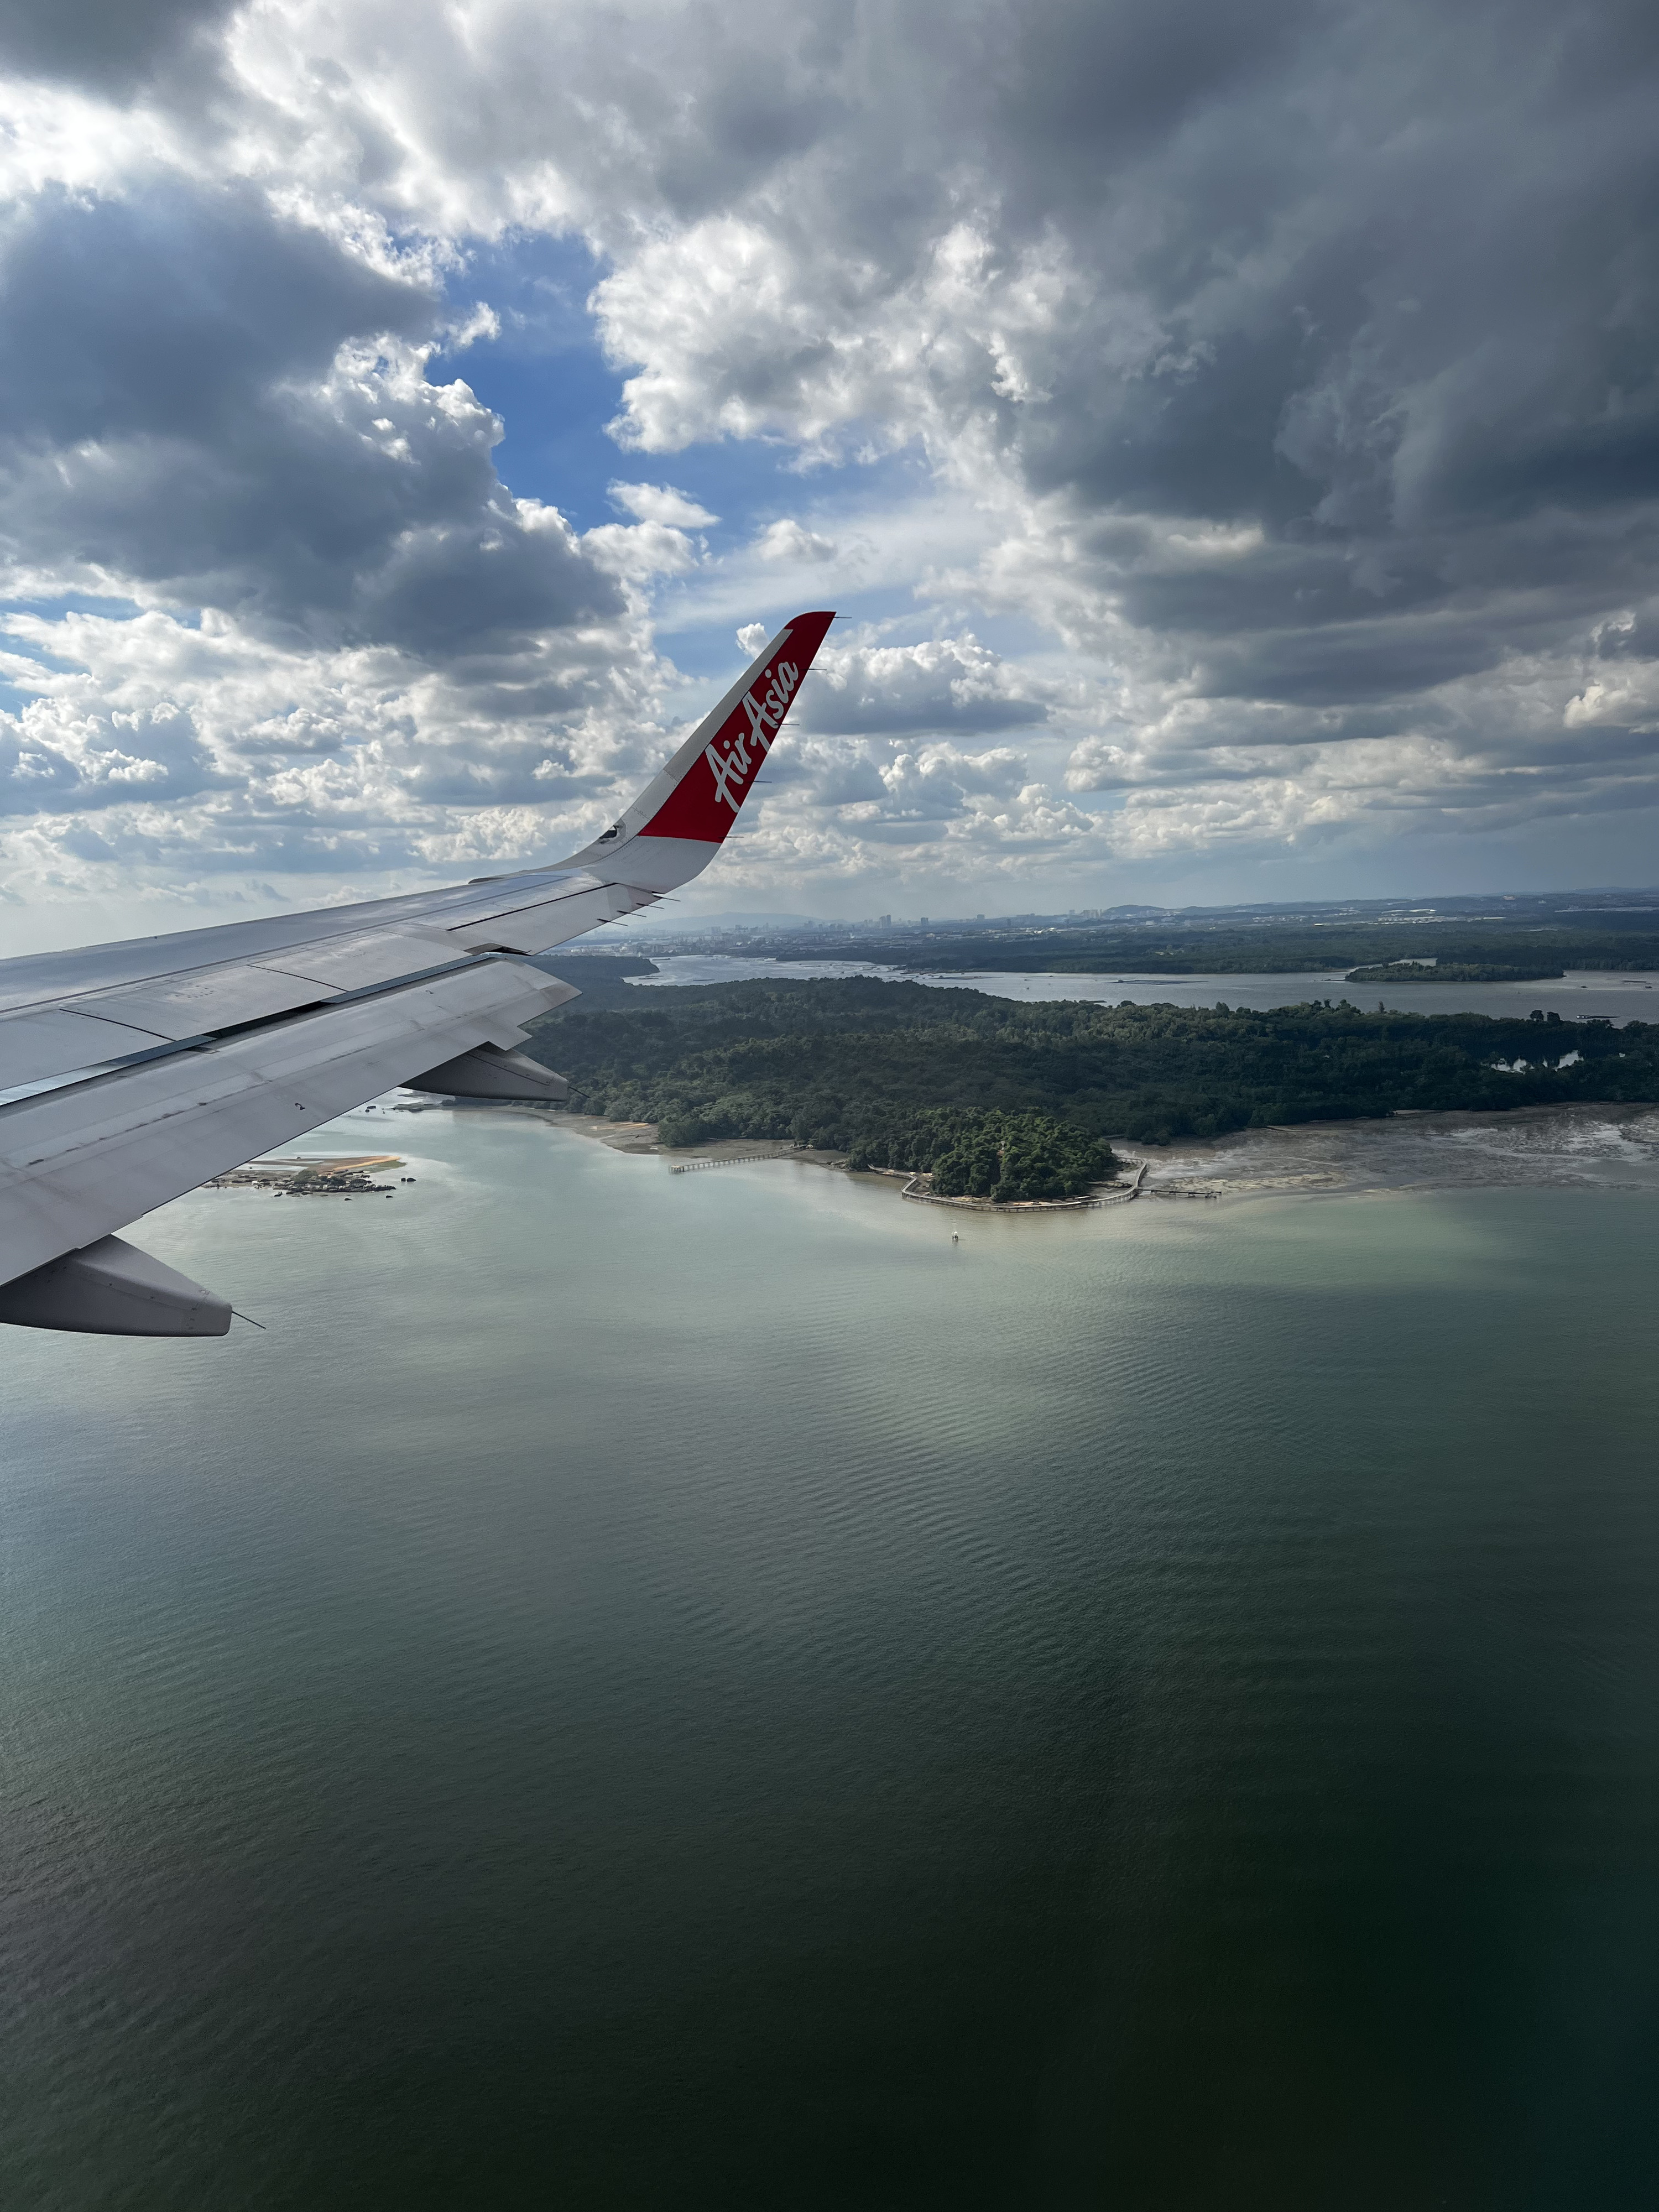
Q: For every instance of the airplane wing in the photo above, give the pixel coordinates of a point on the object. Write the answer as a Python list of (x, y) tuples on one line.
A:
[(132, 1073)]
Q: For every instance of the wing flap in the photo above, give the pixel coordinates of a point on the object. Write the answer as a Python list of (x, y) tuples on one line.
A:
[(35, 1047), (193, 1006), (359, 961)]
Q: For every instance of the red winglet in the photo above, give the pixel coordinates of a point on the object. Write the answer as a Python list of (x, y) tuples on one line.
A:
[(703, 805)]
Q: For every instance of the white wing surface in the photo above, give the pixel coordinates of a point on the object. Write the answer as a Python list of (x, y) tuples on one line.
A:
[(130, 1072)]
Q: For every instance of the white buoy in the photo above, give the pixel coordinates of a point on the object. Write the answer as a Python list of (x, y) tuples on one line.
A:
[(955, 1239)]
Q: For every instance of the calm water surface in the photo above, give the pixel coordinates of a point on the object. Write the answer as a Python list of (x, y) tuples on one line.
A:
[(1580, 992), (642, 1691)]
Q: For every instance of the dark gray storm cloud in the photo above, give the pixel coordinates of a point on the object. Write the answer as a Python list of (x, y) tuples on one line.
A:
[(171, 313), (1400, 263), (172, 414), (1276, 381), (1376, 283), (112, 45)]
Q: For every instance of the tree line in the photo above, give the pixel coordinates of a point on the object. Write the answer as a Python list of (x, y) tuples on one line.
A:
[(1450, 971), (1287, 949), (858, 1066), (973, 1152)]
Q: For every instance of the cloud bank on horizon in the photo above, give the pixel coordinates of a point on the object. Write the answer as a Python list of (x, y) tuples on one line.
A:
[(1231, 433)]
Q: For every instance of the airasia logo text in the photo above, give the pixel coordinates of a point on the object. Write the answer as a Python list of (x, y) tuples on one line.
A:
[(729, 755)]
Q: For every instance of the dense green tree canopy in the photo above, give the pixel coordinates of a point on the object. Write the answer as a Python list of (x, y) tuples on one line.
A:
[(853, 1064), (1286, 948), (974, 1153), (1450, 971)]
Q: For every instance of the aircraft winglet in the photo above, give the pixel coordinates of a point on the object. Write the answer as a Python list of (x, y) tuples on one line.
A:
[(687, 809)]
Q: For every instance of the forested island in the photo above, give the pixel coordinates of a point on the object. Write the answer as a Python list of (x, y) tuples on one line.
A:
[(1533, 937), (1493, 954), (1450, 971), (905, 1075)]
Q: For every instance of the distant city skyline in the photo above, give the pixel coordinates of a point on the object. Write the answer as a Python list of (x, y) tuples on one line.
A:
[(1642, 897)]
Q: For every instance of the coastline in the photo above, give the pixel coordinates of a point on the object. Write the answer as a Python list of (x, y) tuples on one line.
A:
[(1583, 1146), (639, 1138)]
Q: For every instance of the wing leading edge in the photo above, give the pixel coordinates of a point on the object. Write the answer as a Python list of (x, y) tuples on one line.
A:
[(132, 1073)]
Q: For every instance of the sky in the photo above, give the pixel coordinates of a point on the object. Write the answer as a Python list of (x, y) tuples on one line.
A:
[(1229, 430)]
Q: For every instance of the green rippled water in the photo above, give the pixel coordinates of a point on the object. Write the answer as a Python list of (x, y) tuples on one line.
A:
[(661, 1691)]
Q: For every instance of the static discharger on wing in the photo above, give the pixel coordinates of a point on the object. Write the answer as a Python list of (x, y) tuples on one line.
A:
[(130, 1073)]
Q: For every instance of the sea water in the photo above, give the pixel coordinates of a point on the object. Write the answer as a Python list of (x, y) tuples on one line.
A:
[(650, 1690), (1578, 994)]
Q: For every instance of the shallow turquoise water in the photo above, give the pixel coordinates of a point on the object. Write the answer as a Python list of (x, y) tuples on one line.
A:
[(652, 1691)]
